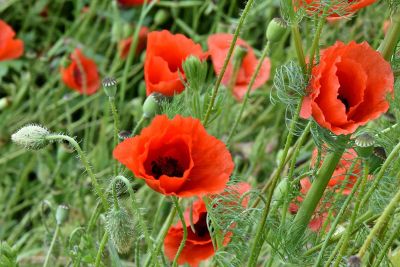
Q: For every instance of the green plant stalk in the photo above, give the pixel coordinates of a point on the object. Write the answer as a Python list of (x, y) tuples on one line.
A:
[(381, 224), (246, 96), (317, 35), (114, 112), (391, 39), (354, 214), (226, 62), (299, 47), (217, 239), (53, 241), (185, 233), (338, 216), (161, 236), (138, 125), (103, 243), (388, 244), (258, 241), (98, 189), (316, 192)]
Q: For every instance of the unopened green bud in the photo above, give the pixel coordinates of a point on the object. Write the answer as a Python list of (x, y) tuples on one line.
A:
[(62, 214), (161, 17), (31, 137), (364, 144), (151, 105), (195, 72), (276, 29), (120, 227), (110, 86), (281, 190)]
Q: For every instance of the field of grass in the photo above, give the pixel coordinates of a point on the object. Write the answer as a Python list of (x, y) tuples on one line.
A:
[(152, 151)]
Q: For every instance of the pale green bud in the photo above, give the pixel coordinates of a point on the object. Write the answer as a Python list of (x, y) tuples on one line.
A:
[(276, 29), (120, 227), (31, 137)]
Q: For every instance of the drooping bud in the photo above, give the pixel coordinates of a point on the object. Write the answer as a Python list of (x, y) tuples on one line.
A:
[(364, 144), (110, 86), (152, 104), (276, 29), (120, 227), (161, 17), (31, 137), (62, 214)]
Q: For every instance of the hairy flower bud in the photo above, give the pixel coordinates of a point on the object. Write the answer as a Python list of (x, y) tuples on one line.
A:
[(151, 105), (276, 29), (31, 137), (62, 214), (120, 227)]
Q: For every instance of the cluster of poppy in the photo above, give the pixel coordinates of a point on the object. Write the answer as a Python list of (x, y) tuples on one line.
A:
[(347, 171)]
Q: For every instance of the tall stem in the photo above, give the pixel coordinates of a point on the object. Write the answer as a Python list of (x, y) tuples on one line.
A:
[(85, 162), (392, 37), (101, 249), (53, 241), (185, 233), (226, 62), (114, 112)]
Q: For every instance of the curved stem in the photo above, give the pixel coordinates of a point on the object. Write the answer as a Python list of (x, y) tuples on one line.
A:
[(182, 245), (53, 241), (101, 249), (391, 39), (246, 96), (226, 62), (85, 162)]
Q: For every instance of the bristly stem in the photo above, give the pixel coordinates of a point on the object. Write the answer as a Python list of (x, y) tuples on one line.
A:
[(53, 241), (246, 96), (185, 233), (226, 62), (114, 112), (392, 38), (299, 47), (101, 249), (258, 241), (138, 125), (98, 189)]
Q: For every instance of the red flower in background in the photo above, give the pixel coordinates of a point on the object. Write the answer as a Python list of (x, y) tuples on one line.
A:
[(198, 246), (125, 44), (128, 3), (177, 157), (339, 9), (218, 45), (348, 88), (10, 48), (164, 57), (81, 75)]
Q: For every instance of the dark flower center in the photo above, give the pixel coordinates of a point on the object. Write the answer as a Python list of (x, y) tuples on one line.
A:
[(345, 102), (77, 76), (201, 226), (166, 166)]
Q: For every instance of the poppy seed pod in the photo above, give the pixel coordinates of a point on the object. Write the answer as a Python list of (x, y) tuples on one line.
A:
[(151, 105), (31, 137), (120, 227), (364, 145), (110, 86), (276, 29), (62, 214)]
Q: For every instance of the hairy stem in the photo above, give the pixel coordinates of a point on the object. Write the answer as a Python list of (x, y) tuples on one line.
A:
[(182, 218), (101, 249), (392, 37), (53, 241), (114, 112)]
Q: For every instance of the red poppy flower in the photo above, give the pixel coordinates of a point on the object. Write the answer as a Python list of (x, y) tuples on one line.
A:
[(10, 48), (348, 88), (81, 75), (164, 57), (198, 246), (128, 3), (218, 45), (342, 9), (320, 214), (342, 170), (177, 157), (125, 44)]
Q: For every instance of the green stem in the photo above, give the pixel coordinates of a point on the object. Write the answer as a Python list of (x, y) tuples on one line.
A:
[(53, 241), (299, 47), (315, 43), (246, 96), (226, 62), (388, 244), (349, 228), (138, 125), (258, 242), (391, 39), (316, 192), (85, 162), (101, 249), (185, 233), (114, 112)]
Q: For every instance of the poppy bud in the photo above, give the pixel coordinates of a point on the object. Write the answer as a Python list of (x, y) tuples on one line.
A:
[(120, 227), (364, 144), (161, 17), (281, 190), (276, 29), (110, 86), (151, 105), (31, 137), (62, 214), (195, 71)]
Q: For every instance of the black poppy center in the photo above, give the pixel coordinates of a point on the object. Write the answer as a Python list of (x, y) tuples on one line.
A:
[(166, 166), (345, 102), (77, 76), (201, 226)]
